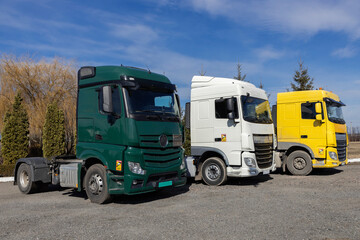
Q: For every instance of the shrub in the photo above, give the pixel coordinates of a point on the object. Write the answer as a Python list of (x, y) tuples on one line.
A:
[(53, 132), (15, 134), (7, 170)]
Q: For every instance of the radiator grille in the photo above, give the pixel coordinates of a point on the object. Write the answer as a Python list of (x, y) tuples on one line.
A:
[(341, 146), (162, 158), (264, 151)]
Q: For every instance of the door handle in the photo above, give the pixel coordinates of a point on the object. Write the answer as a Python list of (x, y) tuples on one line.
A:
[(217, 139), (304, 136), (98, 137)]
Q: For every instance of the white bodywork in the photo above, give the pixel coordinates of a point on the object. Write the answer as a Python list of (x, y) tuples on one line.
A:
[(206, 129)]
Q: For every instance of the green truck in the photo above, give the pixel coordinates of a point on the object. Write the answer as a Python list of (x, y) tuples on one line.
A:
[(129, 137)]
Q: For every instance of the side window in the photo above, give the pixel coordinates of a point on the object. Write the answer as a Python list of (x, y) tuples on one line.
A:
[(116, 102), (308, 111), (221, 110)]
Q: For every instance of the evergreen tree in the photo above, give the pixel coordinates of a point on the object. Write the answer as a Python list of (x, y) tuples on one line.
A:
[(187, 143), (262, 87), (15, 134), (302, 79), (202, 72), (239, 76), (54, 131)]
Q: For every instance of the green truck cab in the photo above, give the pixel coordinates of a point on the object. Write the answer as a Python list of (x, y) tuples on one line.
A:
[(129, 135)]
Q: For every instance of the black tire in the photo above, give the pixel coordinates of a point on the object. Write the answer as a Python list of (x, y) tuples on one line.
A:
[(24, 179), (95, 183), (213, 171), (299, 163)]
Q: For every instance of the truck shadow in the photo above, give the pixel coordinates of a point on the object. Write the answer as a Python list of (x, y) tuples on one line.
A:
[(152, 196), (314, 172), (325, 171), (249, 181), (131, 199)]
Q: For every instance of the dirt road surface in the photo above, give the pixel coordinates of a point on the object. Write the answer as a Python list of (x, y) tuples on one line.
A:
[(323, 205)]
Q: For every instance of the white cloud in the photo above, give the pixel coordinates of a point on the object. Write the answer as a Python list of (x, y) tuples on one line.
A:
[(268, 53), (136, 33), (292, 17), (346, 52)]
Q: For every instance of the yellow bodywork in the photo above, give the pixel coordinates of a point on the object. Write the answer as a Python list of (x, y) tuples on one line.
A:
[(317, 135)]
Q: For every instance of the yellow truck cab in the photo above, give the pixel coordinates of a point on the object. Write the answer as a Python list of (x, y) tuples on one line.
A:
[(311, 131)]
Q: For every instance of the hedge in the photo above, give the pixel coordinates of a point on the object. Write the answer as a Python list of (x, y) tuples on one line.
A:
[(7, 170)]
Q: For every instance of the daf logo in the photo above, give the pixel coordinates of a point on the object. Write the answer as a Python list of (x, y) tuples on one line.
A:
[(163, 141)]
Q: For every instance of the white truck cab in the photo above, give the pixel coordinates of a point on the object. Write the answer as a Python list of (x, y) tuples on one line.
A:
[(232, 133)]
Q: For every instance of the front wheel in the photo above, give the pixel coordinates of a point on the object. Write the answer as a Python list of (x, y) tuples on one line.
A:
[(214, 171), (299, 163), (24, 179), (96, 184)]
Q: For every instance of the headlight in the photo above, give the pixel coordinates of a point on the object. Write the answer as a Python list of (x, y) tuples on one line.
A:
[(183, 166), (136, 168), (250, 162), (333, 155)]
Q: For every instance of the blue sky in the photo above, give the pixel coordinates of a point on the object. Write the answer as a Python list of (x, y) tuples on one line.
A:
[(178, 38)]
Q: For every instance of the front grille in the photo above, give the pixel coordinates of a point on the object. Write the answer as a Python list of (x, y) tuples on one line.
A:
[(264, 151), (341, 146), (153, 141), (162, 158)]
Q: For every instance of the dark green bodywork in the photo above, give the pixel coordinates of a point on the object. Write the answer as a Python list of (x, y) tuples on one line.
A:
[(106, 139)]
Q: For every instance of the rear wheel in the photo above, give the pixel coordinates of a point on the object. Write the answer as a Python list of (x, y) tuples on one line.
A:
[(96, 184), (214, 171), (24, 179), (299, 163)]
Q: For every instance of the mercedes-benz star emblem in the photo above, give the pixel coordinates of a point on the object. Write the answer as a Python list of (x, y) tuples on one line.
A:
[(163, 140)]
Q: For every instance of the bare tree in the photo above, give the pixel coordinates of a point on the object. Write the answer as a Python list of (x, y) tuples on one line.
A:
[(40, 82)]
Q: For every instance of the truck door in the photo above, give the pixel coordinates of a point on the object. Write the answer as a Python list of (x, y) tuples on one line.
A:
[(227, 131), (312, 131), (107, 123)]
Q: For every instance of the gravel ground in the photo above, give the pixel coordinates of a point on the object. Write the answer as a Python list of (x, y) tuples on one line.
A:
[(323, 205)]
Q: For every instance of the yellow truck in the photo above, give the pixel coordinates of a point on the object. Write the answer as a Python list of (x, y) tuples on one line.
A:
[(311, 131)]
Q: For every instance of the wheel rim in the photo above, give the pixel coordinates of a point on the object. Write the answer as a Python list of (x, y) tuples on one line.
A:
[(299, 163), (96, 184), (24, 179), (213, 172)]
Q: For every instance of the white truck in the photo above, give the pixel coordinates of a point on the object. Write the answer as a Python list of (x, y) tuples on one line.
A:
[(232, 133)]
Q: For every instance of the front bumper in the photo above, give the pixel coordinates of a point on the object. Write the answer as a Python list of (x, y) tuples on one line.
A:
[(246, 171), (328, 162)]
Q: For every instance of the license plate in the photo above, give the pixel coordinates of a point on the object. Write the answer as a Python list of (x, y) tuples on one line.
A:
[(165, 184), (266, 172)]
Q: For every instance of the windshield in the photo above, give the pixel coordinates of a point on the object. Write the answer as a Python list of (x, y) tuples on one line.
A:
[(256, 110), (145, 101), (334, 112)]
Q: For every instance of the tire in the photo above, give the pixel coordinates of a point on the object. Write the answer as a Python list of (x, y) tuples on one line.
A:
[(95, 183), (24, 179), (299, 163), (213, 171)]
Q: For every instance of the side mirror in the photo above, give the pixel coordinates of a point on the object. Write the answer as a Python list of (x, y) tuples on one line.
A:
[(230, 104), (318, 109), (107, 105), (319, 117), (178, 101), (231, 115)]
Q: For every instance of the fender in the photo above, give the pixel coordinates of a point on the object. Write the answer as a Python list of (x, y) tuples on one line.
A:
[(87, 154), (286, 145), (40, 170), (199, 151)]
